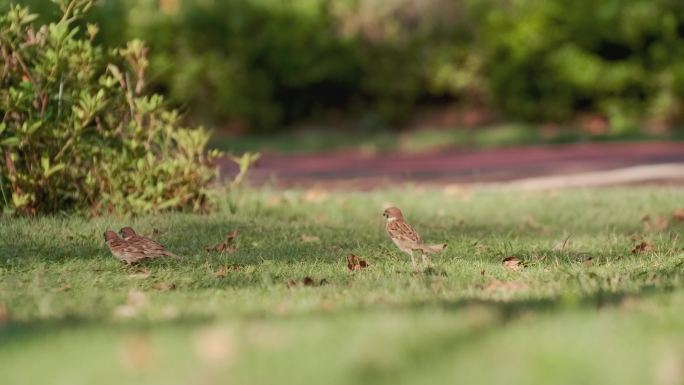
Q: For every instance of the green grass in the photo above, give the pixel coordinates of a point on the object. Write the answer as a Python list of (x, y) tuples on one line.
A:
[(504, 135), (618, 318)]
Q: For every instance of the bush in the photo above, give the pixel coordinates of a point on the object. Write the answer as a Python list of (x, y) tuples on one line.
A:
[(262, 64), (79, 133), (550, 60)]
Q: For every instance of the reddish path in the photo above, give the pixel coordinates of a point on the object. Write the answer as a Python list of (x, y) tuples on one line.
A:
[(456, 166)]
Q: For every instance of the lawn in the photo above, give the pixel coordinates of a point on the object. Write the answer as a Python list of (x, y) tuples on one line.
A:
[(581, 307)]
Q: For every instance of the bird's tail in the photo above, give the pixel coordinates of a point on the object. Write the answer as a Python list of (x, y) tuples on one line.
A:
[(172, 255), (431, 249)]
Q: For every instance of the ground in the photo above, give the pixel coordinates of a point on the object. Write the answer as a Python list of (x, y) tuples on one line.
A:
[(595, 294)]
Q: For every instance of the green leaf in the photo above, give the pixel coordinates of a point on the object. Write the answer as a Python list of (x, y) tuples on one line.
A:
[(32, 128), (45, 163), (12, 141), (54, 169)]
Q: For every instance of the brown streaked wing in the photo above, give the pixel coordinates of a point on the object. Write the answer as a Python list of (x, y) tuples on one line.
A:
[(119, 246), (403, 231), (147, 246)]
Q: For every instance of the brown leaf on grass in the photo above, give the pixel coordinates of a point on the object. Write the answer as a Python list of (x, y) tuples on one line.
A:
[(62, 288), (142, 274), (458, 191), (355, 263), (163, 286), (4, 314), (494, 285), (531, 222), (656, 224), (316, 195), (216, 345), (669, 366), (512, 263), (223, 271), (135, 302), (309, 238), (643, 247), (678, 215), (274, 201), (225, 246), (306, 281), (137, 353)]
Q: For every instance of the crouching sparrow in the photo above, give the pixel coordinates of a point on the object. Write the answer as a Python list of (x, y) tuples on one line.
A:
[(149, 246), (122, 250), (406, 238)]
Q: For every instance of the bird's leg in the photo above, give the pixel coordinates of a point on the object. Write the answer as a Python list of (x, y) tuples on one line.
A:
[(413, 261), (426, 260)]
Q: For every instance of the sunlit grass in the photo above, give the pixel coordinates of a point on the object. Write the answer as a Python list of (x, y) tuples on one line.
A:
[(584, 309)]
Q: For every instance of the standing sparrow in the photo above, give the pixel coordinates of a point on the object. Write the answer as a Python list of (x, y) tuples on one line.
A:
[(122, 250), (149, 246), (406, 238)]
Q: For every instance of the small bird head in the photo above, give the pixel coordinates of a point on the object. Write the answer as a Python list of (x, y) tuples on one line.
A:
[(109, 235), (127, 232), (392, 214)]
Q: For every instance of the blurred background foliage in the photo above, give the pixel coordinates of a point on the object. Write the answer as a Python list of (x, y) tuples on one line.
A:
[(262, 65)]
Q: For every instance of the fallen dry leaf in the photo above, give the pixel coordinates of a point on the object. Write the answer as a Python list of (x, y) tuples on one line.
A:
[(137, 353), (643, 247), (678, 215), (355, 263), (226, 245), (458, 191), (163, 286), (135, 302), (512, 263), (216, 345), (316, 195), (306, 281), (669, 369), (494, 285), (4, 314), (62, 288), (531, 221), (309, 238), (224, 270), (221, 272), (274, 201), (656, 224)]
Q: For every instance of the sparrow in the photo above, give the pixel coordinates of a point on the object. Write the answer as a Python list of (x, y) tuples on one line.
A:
[(406, 238), (122, 250), (149, 246)]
